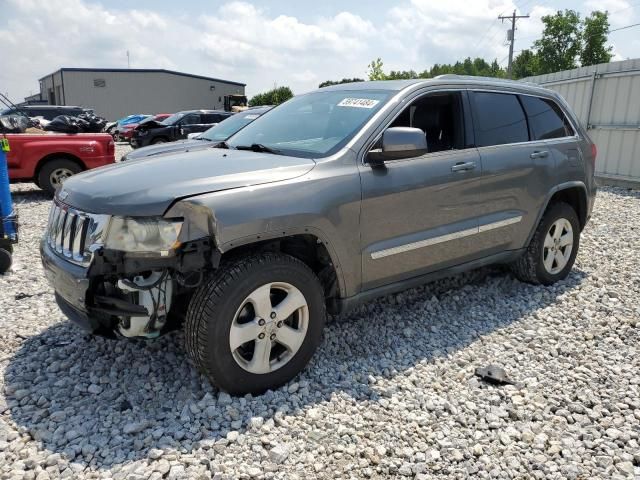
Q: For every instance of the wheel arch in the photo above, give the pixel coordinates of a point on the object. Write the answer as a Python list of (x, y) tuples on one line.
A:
[(307, 245), (57, 156), (573, 193)]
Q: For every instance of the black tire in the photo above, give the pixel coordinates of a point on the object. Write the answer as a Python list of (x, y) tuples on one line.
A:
[(45, 180), (5, 260), (214, 305), (530, 267)]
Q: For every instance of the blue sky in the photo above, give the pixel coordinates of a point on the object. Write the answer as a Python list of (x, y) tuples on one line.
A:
[(277, 42)]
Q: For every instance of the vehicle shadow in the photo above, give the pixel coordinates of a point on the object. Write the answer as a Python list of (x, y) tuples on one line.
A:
[(29, 194), (103, 403)]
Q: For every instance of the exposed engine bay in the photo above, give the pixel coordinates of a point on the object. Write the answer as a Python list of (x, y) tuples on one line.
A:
[(154, 293)]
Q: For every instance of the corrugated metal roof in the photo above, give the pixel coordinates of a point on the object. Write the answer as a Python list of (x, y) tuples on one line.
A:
[(144, 70)]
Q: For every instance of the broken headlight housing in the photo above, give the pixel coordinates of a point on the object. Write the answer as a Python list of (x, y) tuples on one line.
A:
[(153, 236)]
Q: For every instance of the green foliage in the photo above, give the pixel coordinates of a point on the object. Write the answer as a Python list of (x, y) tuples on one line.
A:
[(401, 75), (344, 80), (273, 97), (565, 40), (474, 67), (375, 70), (526, 64), (594, 51), (561, 42)]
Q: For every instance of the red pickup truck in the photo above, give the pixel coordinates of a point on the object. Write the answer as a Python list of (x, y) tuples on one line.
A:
[(47, 159)]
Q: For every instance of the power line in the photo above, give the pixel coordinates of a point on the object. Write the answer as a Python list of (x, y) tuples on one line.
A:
[(624, 28), (491, 27), (511, 36)]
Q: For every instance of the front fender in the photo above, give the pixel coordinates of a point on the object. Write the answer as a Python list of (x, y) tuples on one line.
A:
[(324, 203)]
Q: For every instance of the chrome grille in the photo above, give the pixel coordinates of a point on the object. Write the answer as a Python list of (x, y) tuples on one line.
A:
[(75, 235)]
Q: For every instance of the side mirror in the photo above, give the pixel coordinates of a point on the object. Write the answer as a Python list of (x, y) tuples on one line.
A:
[(398, 143)]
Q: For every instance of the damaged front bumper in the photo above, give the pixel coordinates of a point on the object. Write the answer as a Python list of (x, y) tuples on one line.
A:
[(110, 297)]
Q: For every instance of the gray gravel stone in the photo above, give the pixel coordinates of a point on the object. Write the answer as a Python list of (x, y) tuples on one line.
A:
[(390, 393)]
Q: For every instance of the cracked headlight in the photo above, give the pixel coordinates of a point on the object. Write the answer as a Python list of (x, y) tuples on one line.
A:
[(154, 235)]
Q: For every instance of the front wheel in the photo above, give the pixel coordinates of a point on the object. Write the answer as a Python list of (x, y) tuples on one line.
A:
[(256, 324), (553, 248)]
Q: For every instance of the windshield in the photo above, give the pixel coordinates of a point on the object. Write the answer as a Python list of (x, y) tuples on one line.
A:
[(133, 119), (171, 119), (313, 125), (229, 126)]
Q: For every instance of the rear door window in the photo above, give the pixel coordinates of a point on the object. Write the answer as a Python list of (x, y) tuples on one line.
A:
[(191, 119), (546, 119), (498, 119)]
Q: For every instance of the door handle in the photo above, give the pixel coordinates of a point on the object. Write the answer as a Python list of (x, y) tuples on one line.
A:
[(540, 154), (463, 166)]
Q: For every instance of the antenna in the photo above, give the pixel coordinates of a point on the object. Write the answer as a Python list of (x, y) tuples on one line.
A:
[(128, 60)]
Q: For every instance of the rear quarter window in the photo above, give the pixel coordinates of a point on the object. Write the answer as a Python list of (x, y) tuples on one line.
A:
[(498, 119), (546, 119)]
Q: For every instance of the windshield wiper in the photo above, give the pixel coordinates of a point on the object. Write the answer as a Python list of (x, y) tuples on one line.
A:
[(222, 144), (258, 147)]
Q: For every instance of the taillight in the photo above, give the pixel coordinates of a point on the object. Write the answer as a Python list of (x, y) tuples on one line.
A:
[(594, 154), (111, 147)]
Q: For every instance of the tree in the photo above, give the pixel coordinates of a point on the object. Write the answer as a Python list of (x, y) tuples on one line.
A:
[(469, 66), (561, 42), (344, 80), (375, 70), (596, 28), (400, 75), (526, 64), (274, 96)]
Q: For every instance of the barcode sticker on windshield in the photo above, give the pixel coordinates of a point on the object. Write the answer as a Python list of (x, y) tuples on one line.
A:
[(251, 117), (358, 103)]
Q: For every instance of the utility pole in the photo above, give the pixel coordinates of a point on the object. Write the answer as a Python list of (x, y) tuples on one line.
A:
[(128, 60), (511, 36)]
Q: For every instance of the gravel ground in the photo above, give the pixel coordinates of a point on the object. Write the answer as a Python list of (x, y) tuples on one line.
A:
[(390, 393)]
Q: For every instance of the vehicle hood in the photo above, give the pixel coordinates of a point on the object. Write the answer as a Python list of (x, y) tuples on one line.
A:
[(170, 147), (150, 185)]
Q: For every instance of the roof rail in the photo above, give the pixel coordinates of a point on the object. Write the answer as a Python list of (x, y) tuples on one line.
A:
[(453, 76)]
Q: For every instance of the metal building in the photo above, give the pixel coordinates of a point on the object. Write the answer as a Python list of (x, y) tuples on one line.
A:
[(606, 99), (114, 93)]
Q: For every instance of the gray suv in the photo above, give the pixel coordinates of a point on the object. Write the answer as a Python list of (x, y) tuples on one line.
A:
[(328, 200)]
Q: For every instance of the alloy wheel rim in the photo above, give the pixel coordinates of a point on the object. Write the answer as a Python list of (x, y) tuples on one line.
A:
[(269, 327), (59, 175), (558, 245)]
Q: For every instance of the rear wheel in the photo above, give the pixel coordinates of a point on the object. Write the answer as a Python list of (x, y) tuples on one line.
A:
[(55, 172), (256, 323), (553, 248)]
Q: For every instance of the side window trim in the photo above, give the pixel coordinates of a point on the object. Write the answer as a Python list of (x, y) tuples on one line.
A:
[(526, 119), (467, 119), (407, 101)]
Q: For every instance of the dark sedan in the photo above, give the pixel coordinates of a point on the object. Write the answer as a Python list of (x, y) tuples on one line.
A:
[(176, 127), (215, 134)]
